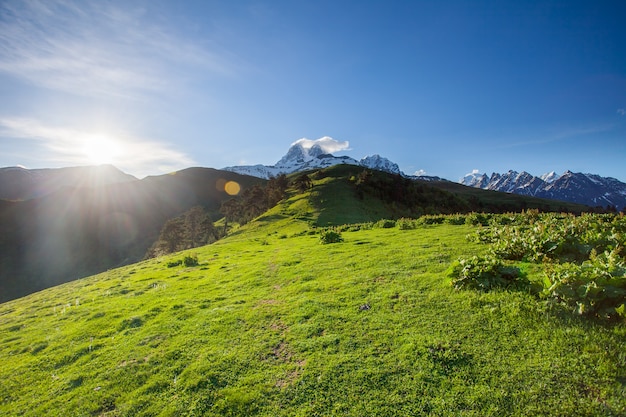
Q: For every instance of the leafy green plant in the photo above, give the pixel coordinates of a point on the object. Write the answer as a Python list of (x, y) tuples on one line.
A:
[(456, 219), (485, 273), (567, 246), (385, 224), (330, 236), (432, 219), (553, 237), (406, 224), (597, 287), (476, 219), (172, 264), (190, 260)]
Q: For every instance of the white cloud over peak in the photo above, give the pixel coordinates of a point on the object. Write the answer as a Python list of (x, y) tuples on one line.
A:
[(473, 173), (328, 144), (419, 173)]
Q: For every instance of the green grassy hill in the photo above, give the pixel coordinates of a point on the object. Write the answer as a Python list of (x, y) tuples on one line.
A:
[(273, 323), (76, 232), (349, 194)]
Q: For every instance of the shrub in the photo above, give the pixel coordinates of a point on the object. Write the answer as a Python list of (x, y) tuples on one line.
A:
[(406, 224), (432, 219), (385, 224), (190, 260), (485, 273), (172, 264), (476, 219), (330, 236), (576, 277), (596, 287), (455, 219)]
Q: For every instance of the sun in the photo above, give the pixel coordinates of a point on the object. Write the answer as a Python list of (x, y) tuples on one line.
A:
[(100, 149)]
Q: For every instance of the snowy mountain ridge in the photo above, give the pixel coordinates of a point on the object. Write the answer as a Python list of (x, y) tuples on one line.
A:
[(302, 158), (590, 189)]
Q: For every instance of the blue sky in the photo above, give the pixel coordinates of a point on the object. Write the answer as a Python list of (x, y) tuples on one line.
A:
[(440, 86)]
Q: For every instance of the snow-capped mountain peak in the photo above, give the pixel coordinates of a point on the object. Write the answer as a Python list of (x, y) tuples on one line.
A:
[(550, 177), (590, 189), (315, 151), (295, 155), (306, 154), (380, 163), (475, 179)]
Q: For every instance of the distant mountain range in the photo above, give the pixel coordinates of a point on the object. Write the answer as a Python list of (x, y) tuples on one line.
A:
[(17, 183), (589, 189)]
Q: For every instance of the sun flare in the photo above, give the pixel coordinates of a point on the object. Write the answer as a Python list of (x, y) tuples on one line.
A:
[(101, 149)]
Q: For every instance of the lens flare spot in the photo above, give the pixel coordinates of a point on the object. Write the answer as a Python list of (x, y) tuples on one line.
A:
[(232, 188)]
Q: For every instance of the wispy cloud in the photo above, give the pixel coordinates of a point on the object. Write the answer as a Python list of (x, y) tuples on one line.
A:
[(96, 48), (328, 144), (555, 135), (59, 146), (621, 112)]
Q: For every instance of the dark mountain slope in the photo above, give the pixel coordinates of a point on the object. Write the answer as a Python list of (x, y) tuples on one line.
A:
[(76, 232), (500, 202)]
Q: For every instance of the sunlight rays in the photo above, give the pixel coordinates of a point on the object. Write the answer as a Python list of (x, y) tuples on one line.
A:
[(74, 147)]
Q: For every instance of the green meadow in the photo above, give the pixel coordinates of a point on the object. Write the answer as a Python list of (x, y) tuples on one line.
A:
[(271, 322)]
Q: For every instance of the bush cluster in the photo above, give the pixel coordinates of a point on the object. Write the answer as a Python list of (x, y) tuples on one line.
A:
[(485, 273), (595, 287), (188, 261), (330, 236), (585, 269)]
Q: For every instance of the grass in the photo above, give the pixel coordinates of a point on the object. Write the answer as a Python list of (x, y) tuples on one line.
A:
[(273, 323)]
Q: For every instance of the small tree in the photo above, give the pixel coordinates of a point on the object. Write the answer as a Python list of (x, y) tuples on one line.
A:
[(199, 229), (192, 229), (275, 189), (303, 182), (231, 210), (172, 235)]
